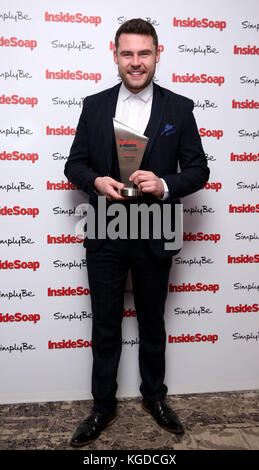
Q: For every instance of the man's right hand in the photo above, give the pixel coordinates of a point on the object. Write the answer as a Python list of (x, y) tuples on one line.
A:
[(106, 186)]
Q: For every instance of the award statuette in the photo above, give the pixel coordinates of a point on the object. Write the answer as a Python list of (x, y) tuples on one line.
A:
[(131, 146)]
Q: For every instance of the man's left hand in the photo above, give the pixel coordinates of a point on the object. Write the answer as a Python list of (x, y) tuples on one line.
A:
[(148, 182)]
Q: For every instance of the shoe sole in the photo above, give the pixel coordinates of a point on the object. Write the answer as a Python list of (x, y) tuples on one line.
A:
[(81, 444), (174, 431)]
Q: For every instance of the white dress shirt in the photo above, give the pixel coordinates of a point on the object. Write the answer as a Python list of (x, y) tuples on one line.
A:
[(134, 110)]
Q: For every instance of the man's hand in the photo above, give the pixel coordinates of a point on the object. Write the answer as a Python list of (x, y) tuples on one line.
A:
[(148, 182), (105, 185)]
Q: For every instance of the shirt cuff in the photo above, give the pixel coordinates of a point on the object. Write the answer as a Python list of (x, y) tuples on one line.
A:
[(166, 191)]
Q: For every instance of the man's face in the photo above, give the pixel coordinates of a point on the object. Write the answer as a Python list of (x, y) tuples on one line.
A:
[(136, 58)]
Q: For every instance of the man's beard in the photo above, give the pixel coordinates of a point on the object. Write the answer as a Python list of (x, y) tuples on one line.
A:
[(136, 86)]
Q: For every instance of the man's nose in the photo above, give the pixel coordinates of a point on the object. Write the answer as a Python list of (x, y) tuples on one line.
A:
[(135, 61)]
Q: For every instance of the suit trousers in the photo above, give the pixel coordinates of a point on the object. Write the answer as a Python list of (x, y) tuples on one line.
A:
[(107, 274)]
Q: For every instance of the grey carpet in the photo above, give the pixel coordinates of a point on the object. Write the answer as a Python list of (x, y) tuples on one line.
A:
[(220, 421)]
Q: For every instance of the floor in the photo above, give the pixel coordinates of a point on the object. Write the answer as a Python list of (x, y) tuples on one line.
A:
[(225, 421)]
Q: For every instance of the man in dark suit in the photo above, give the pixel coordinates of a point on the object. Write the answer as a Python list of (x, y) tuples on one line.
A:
[(167, 120)]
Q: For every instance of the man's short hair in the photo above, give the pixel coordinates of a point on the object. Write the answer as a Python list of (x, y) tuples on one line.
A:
[(136, 26)]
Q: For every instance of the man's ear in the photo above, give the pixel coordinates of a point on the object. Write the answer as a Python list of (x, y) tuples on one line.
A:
[(157, 55), (115, 58)]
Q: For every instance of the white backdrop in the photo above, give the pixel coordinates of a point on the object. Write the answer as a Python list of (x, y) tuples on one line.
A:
[(208, 296)]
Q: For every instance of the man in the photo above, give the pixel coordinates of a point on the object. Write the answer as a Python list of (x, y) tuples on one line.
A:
[(167, 120)]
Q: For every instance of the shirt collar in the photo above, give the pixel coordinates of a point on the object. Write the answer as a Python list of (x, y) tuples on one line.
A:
[(144, 95)]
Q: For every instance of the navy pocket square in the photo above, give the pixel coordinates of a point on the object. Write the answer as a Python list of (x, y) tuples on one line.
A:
[(169, 129)]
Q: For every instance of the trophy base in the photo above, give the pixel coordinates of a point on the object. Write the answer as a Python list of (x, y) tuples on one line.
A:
[(130, 192)]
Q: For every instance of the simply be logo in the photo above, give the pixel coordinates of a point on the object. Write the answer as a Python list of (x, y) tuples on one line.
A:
[(17, 241), (252, 287), (193, 311), (19, 187), (19, 74), (83, 315), (57, 101), (17, 347), (183, 48), (246, 336), (122, 19), (205, 104), (250, 237), (17, 16), (16, 295), (67, 46), (198, 210), (20, 130), (58, 263), (245, 80), (250, 134), (247, 186), (179, 260)]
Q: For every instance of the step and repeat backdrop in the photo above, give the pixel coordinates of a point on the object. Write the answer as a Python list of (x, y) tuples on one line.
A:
[(53, 54)]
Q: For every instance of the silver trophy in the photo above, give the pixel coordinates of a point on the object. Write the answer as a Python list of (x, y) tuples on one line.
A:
[(131, 146)]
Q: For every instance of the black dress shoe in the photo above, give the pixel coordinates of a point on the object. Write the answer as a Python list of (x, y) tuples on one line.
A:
[(164, 415), (91, 428)]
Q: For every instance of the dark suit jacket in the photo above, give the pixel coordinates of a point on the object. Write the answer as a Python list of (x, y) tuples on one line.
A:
[(92, 151)]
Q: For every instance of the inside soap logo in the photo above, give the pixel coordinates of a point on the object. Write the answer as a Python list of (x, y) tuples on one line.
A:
[(197, 338), (19, 317), (203, 23), (16, 99), (68, 18), (15, 42), (17, 155)]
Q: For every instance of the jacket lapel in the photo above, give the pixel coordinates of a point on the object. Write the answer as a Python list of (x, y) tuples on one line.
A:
[(156, 116), (108, 113)]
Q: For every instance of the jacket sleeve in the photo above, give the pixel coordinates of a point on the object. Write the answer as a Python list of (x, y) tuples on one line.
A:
[(78, 168), (194, 171)]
